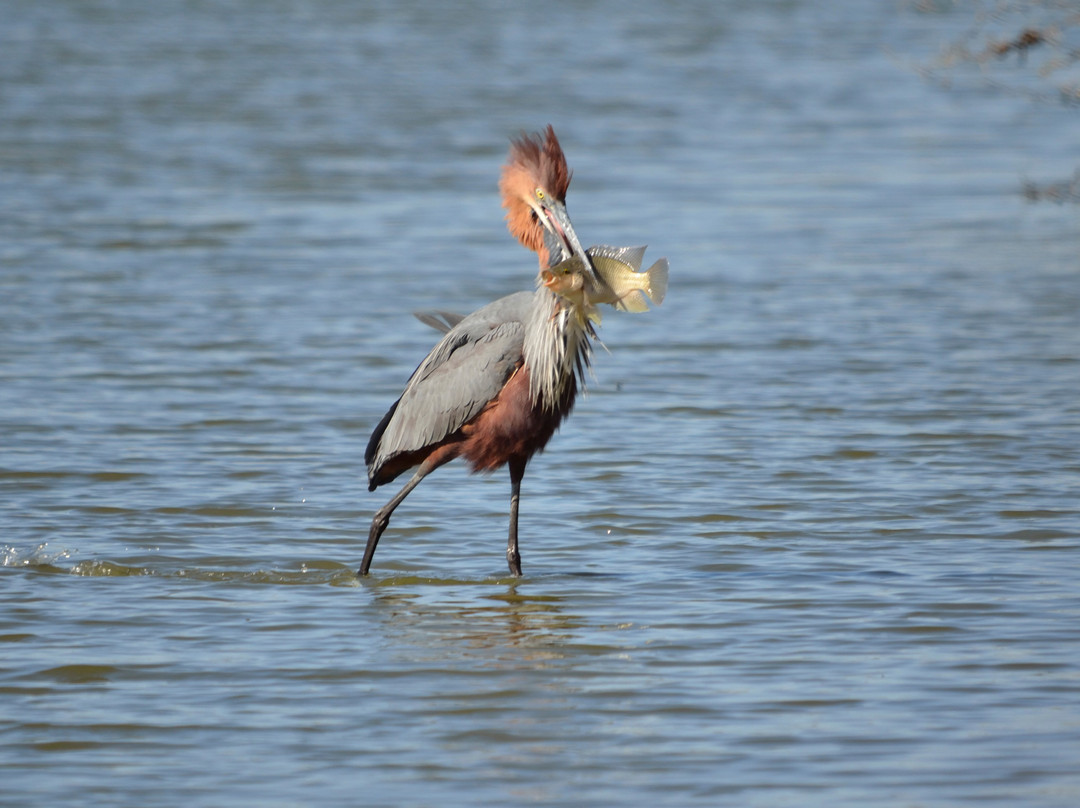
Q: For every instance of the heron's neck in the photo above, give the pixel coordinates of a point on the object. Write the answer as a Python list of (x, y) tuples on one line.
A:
[(557, 348)]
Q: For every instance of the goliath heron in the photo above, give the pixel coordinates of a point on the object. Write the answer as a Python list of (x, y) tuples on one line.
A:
[(498, 384)]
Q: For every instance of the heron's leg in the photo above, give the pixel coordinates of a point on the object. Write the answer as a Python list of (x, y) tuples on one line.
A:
[(513, 556), (382, 516)]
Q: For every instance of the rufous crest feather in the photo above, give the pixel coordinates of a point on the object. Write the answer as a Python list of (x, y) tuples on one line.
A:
[(535, 161)]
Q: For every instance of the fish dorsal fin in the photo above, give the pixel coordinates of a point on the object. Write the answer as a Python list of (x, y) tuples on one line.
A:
[(631, 256)]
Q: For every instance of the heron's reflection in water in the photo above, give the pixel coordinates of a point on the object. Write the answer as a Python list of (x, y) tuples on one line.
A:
[(448, 619)]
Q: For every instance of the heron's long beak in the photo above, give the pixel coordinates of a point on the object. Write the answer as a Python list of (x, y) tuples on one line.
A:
[(557, 222)]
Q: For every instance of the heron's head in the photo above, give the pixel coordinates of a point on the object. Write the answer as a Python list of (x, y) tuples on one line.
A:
[(534, 182)]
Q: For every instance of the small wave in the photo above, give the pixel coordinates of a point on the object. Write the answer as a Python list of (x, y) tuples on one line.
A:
[(108, 569), (39, 556), (43, 559)]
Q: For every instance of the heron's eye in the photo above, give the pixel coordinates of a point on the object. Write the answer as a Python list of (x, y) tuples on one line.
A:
[(539, 193)]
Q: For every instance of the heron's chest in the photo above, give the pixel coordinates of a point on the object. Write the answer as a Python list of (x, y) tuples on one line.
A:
[(514, 424)]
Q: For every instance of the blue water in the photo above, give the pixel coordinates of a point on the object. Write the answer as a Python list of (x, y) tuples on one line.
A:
[(810, 539)]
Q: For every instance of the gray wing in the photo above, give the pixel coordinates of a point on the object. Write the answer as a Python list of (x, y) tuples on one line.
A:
[(466, 370)]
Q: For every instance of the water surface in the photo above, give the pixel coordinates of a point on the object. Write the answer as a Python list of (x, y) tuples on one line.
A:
[(811, 539)]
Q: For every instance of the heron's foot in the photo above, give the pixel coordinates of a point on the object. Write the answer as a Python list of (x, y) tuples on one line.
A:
[(513, 560)]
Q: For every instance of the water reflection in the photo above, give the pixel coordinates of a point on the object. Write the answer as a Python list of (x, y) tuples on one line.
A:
[(475, 618)]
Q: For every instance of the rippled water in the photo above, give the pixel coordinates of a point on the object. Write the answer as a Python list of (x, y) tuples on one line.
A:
[(811, 539)]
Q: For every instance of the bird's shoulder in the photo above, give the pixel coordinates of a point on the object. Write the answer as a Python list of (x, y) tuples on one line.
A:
[(492, 329)]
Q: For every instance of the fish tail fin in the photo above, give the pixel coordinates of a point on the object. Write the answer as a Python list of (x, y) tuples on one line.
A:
[(651, 283), (656, 281)]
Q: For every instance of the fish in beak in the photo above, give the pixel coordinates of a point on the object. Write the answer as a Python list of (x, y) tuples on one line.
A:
[(611, 276)]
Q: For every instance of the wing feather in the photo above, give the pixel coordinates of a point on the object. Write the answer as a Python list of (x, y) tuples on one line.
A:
[(463, 372)]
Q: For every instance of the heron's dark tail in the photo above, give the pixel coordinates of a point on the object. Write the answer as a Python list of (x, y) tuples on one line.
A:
[(373, 445)]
